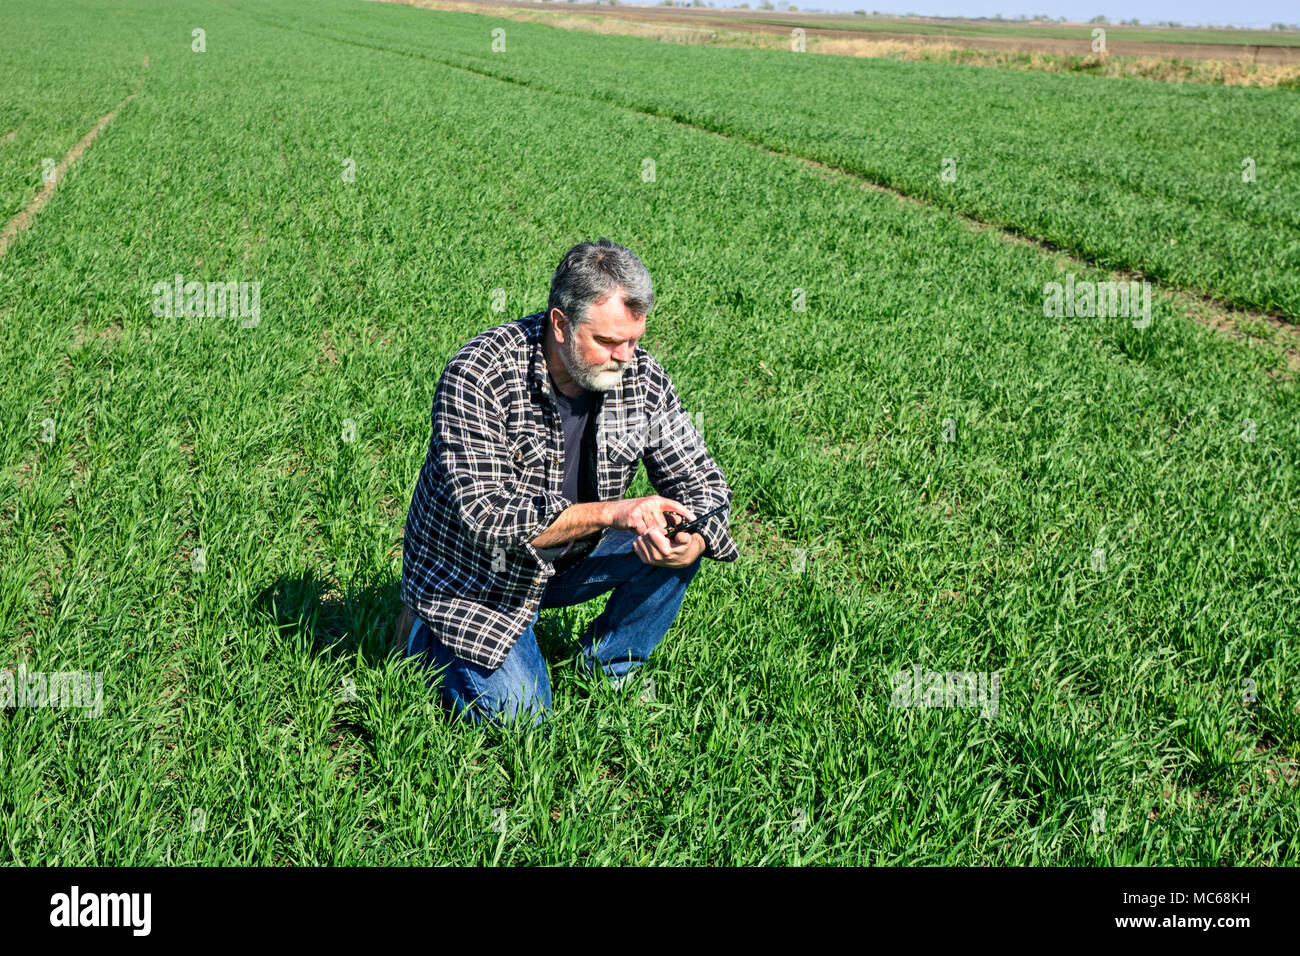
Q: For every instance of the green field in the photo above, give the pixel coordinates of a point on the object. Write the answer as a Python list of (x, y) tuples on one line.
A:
[(1138, 176), (926, 470)]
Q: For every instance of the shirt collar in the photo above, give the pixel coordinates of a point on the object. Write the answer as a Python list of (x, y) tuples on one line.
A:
[(537, 370)]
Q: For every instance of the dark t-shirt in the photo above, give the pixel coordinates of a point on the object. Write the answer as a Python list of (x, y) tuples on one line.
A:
[(574, 413), (577, 420)]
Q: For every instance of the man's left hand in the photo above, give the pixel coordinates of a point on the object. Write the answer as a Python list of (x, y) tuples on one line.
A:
[(675, 550)]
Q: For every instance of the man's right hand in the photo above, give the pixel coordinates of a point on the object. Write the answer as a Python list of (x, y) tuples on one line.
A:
[(646, 514)]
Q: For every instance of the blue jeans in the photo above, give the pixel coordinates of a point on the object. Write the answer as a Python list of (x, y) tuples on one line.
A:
[(644, 605)]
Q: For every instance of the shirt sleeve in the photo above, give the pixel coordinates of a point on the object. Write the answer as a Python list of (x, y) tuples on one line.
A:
[(478, 468), (680, 467)]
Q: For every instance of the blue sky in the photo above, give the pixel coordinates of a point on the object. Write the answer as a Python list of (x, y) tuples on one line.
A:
[(1257, 14)]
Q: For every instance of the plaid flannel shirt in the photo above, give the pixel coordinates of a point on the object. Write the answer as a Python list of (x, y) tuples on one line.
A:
[(492, 480)]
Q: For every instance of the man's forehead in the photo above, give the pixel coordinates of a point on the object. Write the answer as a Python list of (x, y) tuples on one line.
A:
[(621, 324)]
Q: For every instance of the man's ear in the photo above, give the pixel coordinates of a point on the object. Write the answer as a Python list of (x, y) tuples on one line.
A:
[(558, 324)]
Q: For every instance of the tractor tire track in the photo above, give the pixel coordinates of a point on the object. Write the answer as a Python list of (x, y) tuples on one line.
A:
[(15, 226)]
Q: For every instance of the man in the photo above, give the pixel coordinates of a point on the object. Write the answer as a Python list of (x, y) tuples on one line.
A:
[(538, 428)]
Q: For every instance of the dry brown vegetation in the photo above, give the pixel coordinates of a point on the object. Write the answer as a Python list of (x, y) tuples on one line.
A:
[(1165, 62)]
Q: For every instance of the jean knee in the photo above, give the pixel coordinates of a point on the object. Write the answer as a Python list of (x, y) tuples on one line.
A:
[(506, 695)]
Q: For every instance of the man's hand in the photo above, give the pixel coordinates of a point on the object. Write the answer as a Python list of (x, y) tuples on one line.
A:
[(646, 514), (654, 547)]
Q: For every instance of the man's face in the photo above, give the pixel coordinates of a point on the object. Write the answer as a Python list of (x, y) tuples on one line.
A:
[(597, 352)]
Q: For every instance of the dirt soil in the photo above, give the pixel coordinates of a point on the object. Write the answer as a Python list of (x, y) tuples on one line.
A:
[(708, 19)]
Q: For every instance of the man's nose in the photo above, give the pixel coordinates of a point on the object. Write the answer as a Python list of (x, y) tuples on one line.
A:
[(623, 353)]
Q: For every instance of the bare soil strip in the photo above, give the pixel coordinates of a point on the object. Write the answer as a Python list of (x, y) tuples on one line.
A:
[(21, 221), (753, 21)]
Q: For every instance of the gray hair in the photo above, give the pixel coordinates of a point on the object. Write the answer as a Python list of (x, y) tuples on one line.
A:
[(590, 272)]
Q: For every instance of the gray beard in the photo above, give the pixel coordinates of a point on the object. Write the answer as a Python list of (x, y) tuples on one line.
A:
[(588, 376)]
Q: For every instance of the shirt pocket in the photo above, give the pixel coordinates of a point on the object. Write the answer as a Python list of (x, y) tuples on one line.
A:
[(625, 450), (528, 453)]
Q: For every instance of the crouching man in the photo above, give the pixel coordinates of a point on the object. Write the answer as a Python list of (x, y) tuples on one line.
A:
[(538, 428)]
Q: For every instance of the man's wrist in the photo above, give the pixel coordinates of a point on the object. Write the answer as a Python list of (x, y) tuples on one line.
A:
[(579, 520), (598, 516), (700, 545)]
